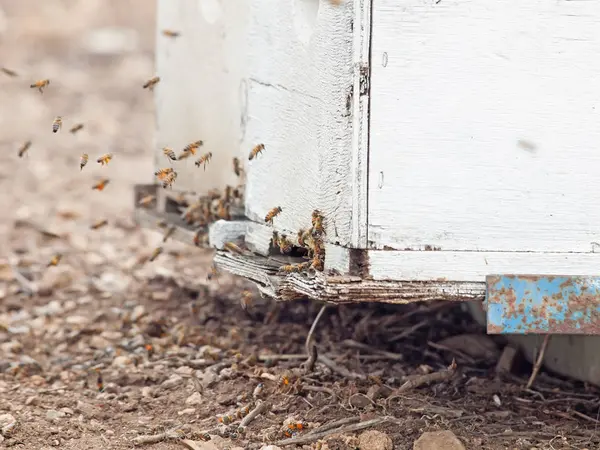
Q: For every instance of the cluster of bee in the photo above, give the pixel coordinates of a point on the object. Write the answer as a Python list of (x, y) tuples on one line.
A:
[(238, 414), (292, 428)]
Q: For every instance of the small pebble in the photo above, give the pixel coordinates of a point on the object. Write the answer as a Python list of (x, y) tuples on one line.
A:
[(438, 440), (375, 440), (52, 414), (186, 411), (194, 399)]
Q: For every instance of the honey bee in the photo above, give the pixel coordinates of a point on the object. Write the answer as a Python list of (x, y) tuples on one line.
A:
[(83, 160), (157, 251), (171, 33), (237, 167), (161, 174), (40, 85), (200, 237), (55, 260), (75, 128), (204, 159), (295, 268), (246, 300), (100, 382), (169, 180), (317, 222), (285, 245), (213, 273), (233, 248), (105, 159), (23, 149), (317, 262), (303, 238), (57, 124), (10, 73), (145, 201), (169, 232), (151, 83), (192, 147), (99, 224), (255, 151), (223, 210), (101, 184), (272, 214), (170, 154)]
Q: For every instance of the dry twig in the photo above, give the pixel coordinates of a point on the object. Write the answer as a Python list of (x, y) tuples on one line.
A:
[(360, 346), (257, 411), (313, 327), (340, 369), (173, 433), (316, 435), (312, 359), (435, 377), (538, 362)]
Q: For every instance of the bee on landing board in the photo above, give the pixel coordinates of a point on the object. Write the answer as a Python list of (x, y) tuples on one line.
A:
[(272, 214), (317, 222), (295, 268), (75, 128), (40, 85), (83, 160), (105, 159), (255, 151), (151, 83), (204, 160), (233, 248), (170, 154), (23, 149), (57, 124), (99, 224), (171, 33), (55, 260), (101, 184), (10, 73)]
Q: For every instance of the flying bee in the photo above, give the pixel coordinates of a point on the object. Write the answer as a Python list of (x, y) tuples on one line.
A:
[(100, 381), (99, 224), (272, 214), (171, 33), (75, 128), (204, 159), (101, 184), (200, 237), (169, 232), (10, 73), (55, 260), (23, 149), (169, 180), (157, 251), (214, 273), (161, 174), (170, 154), (255, 151), (105, 159), (83, 160), (246, 300), (57, 124), (151, 83), (237, 167), (40, 85), (233, 248), (191, 148), (145, 201)]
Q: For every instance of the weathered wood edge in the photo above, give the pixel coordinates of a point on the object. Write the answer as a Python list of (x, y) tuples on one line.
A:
[(341, 289)]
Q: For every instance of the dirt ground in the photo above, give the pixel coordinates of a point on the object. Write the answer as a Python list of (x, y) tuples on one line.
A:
[(107, 351)]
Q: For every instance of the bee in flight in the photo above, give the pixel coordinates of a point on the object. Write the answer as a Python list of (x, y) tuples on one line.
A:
[(57, 124), (99, 224), (75, 128), (10, 73), (169, 232), (191, 149), (105, 159), (157, 251), (237, 167), (83, 160), (246, 299), (170, 154), (169, 180), (255, 151), (145, 201), (55, 260), (204, 159), (40, 85), (272, 214), (23, 149), (171, 33), (101, 184), (151, 83)]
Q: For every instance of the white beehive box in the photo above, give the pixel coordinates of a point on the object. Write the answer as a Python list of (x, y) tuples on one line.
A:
[(442, 140)]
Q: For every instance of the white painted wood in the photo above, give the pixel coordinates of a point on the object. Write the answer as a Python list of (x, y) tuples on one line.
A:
[(474, 266), (337, 258), (299, 104), (198, 97), (223, 231), (485, 135)]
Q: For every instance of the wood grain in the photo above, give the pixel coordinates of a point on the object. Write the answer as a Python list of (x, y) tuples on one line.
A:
[(485, 133)]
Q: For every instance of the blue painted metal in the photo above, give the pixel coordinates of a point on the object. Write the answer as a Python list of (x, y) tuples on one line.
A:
[(542, 304)]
